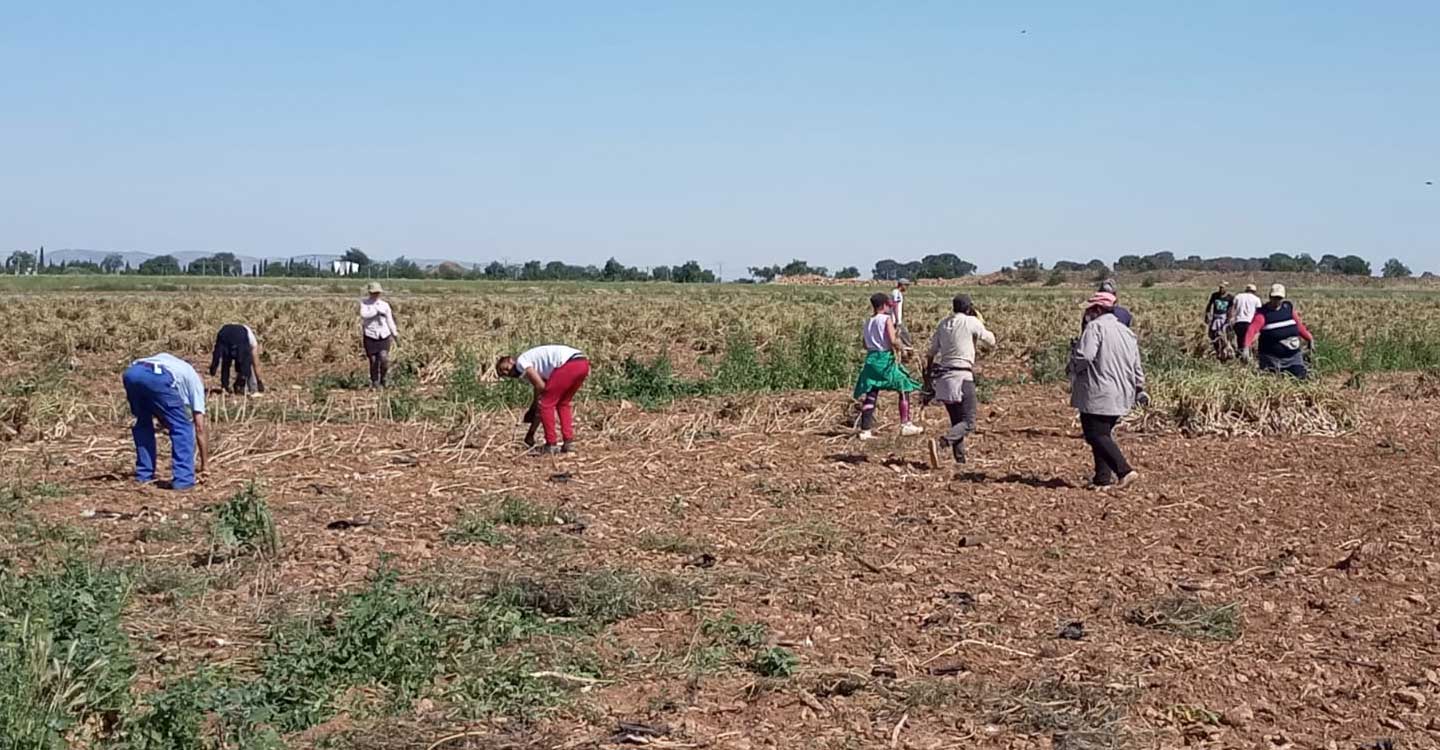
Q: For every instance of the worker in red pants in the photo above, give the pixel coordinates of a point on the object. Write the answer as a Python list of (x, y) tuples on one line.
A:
[(556, 372)]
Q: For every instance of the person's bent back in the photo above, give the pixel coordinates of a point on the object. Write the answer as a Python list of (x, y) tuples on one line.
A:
[(164, 388)]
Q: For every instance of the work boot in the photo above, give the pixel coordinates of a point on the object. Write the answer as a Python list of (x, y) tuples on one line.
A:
[(958, 451), (866, 435), (910, 429), (567, 447)]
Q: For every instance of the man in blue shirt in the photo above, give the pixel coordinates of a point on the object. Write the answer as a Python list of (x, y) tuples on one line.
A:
[(167, 389)]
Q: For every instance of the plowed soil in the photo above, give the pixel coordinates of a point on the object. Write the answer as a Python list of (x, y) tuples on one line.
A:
[(926, 607)]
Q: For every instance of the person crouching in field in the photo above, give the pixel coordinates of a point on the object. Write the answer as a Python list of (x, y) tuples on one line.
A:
[(950, 367), (166, 389), (378, 332), (1281, 334), (1106, 382), (556, 372), (236, 345), (882, 370)]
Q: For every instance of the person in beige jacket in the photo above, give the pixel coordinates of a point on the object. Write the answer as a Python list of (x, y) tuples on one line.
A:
[(1106, 382), (950, 371)]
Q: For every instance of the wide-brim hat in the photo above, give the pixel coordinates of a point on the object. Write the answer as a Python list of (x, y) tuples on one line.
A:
[(1277, 291), (374, 288)]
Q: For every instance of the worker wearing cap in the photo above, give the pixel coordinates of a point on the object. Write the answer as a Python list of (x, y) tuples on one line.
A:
[(897, 311), (950, 372), (378, 331), (1217, 319), (1242, 311), (166, 389), (1281, 332)]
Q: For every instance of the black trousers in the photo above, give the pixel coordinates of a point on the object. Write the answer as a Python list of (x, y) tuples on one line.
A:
[(232, 347), (1099, 431), (1241, 328)]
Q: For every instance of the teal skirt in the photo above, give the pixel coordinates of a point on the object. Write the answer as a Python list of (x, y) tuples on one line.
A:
[(883, 372)]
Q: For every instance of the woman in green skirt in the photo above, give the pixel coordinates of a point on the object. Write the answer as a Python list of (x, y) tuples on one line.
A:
[(882, 370)]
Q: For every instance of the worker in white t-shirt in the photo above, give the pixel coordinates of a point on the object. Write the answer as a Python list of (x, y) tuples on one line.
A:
[(556, 372), (897, 311), (1242, 311)]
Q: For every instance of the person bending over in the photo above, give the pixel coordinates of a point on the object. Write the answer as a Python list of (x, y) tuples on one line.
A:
[(556, 372)]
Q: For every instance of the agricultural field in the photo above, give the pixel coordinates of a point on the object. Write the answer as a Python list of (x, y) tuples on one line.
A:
[(722, 565)]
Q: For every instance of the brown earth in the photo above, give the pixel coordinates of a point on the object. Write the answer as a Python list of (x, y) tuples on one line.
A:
[(925, 606)]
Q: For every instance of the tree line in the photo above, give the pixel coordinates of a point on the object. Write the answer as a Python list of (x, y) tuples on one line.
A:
[(354, 262)]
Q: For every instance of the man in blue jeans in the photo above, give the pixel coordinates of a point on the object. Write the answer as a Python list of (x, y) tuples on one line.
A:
[(166, 389)]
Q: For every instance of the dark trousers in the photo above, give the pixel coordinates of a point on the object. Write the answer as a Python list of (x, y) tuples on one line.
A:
[(1099, 431), (377, 351), (962, 419), (232, 347), (1241, 328)]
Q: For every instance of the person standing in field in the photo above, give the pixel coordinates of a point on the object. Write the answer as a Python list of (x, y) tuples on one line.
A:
[(1282, 335), (1106, 382), (897, 311), (1217, 317), (556, 372), (378, 332), (882, 370), (166, 389), (950, 365), (1121, 313), (236, 344), (1242, 312)]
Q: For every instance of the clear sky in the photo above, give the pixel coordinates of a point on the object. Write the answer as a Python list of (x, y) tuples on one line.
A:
[(738, 132)]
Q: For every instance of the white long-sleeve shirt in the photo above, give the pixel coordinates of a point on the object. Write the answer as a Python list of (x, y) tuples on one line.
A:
[(377, 321)]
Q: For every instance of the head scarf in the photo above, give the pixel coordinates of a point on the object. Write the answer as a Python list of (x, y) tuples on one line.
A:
[(1104, 300)]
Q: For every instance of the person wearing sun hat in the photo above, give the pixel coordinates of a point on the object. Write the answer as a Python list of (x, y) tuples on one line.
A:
[(1106, 382), (378, 332), (1282, 335), (1242, 311)]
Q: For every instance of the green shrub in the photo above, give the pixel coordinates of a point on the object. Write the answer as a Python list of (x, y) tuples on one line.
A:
[(774, 662), (63, 655), (243, 523)]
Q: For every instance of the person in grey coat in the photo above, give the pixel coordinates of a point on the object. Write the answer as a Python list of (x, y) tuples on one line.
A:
[(1106, 382)]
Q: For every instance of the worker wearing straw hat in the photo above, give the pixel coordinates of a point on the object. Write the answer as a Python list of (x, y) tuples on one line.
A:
[(1106, 382), (378, 332), (1282, 335)]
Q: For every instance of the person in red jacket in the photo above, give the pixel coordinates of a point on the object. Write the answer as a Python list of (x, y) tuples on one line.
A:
[(1282, 335)]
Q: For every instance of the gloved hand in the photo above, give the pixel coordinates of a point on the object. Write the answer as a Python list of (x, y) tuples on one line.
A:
[(1142, 399)]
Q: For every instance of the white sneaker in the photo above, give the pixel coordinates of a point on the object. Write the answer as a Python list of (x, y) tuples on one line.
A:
[(910, 428), (866, 435)]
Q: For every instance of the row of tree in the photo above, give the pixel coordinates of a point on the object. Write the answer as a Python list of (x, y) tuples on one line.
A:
[(936, 266)]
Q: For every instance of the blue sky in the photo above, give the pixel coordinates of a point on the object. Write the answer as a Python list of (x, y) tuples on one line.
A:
[(740, 133)]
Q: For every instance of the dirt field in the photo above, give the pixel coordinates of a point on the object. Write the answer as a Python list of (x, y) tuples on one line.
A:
[(769, 581)]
